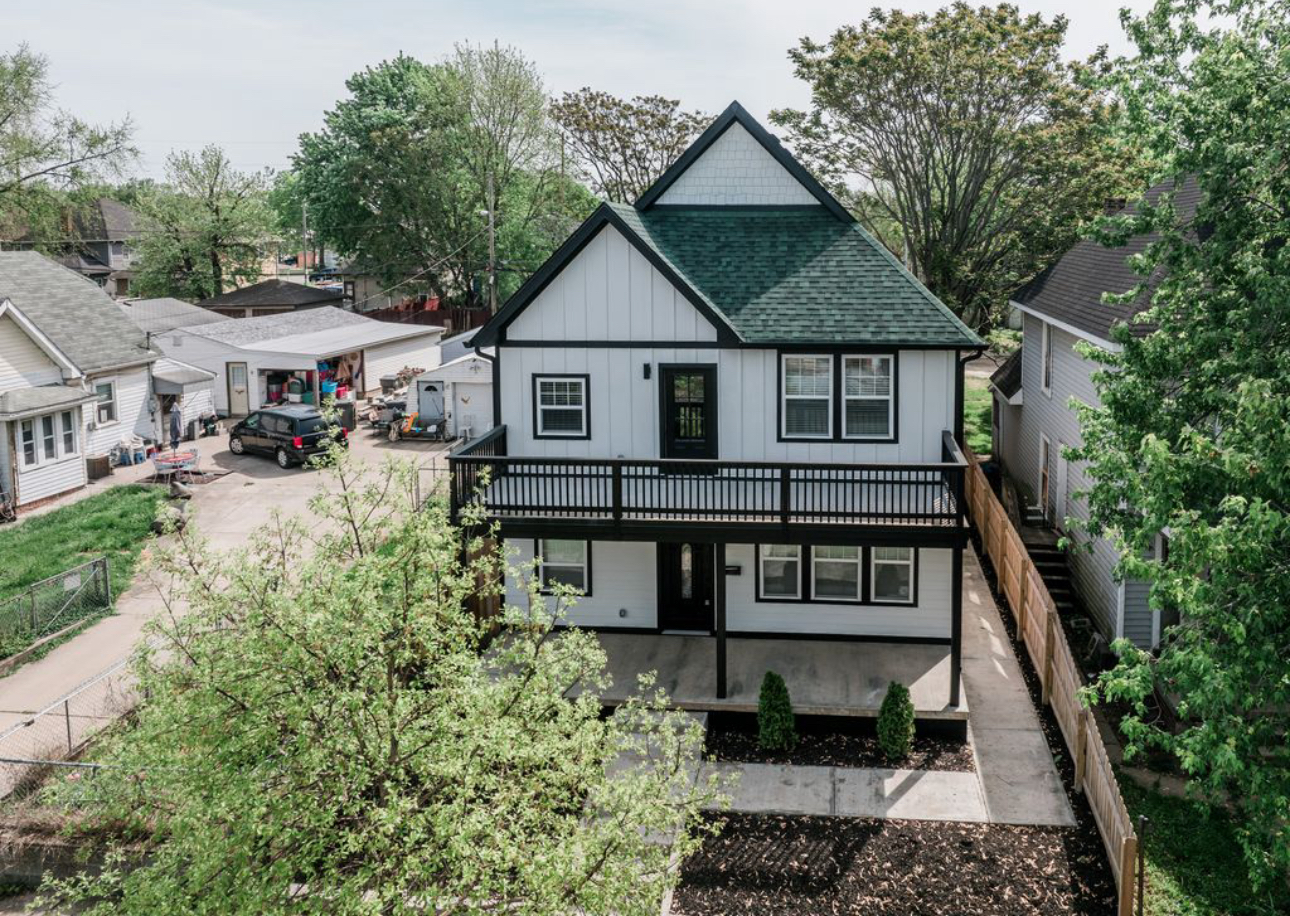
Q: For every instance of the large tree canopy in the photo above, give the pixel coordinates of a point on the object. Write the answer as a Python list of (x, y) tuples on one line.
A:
[(963, 139), (203, 230), (624, 145), (1193, 436), (398, 177), (44, 149), (327, 730)]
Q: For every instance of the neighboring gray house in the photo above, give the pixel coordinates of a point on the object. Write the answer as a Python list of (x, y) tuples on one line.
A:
[(1034, 421), (105, 232)]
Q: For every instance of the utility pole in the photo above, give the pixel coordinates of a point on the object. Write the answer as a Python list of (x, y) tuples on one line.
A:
[(304, 239), (492, 248)]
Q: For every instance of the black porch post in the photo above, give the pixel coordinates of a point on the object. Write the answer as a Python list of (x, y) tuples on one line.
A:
[(720, 562), (956, 623)]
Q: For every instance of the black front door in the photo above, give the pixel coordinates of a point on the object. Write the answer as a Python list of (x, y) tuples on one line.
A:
[(689, 411), (685, 587)]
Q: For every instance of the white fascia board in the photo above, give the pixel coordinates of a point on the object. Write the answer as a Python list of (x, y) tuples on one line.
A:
[(1102, 342)]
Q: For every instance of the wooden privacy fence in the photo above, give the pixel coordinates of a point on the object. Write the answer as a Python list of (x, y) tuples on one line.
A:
[(1040, 629)]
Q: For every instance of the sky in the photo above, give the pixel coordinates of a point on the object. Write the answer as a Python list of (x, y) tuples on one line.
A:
[(252, 75)]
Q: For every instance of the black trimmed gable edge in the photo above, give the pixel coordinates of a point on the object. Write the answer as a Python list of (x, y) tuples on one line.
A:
[(736, 113), (492, 333)]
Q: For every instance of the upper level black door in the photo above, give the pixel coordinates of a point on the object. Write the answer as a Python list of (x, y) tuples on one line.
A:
[(689, 411)]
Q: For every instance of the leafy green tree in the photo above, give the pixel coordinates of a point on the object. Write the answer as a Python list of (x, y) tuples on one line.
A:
[(204, 230), (398, 178), (43, 148), (624, 145), (327, 730), (964, 140), (1193, 436)]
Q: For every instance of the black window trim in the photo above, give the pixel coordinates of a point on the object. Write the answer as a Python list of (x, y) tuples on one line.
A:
[(837, 401), (537, 377), (537, 554), (806, 579)]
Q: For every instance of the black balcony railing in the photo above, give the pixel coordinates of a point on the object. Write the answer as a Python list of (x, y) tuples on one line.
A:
[(644, 491)]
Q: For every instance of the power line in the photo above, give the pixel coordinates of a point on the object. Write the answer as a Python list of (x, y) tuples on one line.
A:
[(442, 261)]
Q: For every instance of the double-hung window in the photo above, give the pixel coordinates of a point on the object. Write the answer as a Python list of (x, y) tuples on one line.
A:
[(891, 575), (106, 407), (780, 571), (808, 397), (560, 406), (835, 573), (48, 438), (1046, 361), (67, 421), (565, 563), (28, 434), (867, 397)]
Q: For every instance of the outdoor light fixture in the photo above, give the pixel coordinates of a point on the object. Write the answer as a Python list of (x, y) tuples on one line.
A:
[(647, 370)]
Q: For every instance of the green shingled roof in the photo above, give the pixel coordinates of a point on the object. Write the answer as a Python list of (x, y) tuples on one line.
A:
[(796, 276)]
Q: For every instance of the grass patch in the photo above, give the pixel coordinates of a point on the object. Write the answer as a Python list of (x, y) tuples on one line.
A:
[(978, 410), (1194, 865), (115, 523)]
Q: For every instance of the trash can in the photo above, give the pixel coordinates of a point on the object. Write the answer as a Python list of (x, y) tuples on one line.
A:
[(389, 383)]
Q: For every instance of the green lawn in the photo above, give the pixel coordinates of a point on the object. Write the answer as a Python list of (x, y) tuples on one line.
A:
[(1194, 865), (977, 407), (115, 523)]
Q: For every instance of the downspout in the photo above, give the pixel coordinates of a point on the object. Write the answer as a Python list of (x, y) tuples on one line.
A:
[(495, 362), (964, 358)]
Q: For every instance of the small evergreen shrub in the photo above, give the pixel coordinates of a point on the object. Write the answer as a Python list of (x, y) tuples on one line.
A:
[(896, 722), (776, 727)]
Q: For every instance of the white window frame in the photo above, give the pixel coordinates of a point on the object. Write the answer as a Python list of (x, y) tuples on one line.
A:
[(100, 404), (1045, 473), (890, 397), (874, 563), (1046, 359), (858, 562), (539, 409), (762, 557), (50, 434), (584, 566), (784, 397), (36, 425)]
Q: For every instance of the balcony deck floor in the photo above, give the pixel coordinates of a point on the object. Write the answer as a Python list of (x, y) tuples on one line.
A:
[(824, 677)]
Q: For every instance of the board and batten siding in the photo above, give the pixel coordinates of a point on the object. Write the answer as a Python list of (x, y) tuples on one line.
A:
[(133, 411), (1051, 414), (624, 576), (624, 593), (23, 364), (624, 405), (736, 170), (610, 292)]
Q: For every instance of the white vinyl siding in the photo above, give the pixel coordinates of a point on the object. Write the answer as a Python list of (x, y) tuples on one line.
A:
[(624, 585), (48, 460), (132, 391), (1071, 377), (388, 358), (23, 364)]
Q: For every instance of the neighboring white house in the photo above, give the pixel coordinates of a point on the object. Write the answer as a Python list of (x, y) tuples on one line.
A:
[(729, 410), (172, 379), (1035, 422), (75, 377), (255, 361), (466, 384)]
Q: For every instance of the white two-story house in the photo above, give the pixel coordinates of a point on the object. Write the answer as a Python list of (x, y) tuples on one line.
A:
[(728, 410), (75, 377)]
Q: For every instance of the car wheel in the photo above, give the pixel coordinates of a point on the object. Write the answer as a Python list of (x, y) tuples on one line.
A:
[(235, 445), (284, 460)]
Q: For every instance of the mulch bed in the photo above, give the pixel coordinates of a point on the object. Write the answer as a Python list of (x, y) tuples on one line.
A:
[(805, 866), (837, 749)]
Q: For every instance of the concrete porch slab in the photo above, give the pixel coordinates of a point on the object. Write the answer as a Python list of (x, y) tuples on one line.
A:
[(824, 677)]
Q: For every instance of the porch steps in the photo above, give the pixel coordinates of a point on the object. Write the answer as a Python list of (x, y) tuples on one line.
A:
[(1054, 569)]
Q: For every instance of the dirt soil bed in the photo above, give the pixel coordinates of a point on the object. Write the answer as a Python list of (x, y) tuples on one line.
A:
[(837, 749), (806, 866)]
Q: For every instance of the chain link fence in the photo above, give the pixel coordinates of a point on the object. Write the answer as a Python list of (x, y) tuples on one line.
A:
[(52, 604), (47, 742)]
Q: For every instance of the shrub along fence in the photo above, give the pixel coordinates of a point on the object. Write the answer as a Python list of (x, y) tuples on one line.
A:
[(53, 604), (1040, 629)]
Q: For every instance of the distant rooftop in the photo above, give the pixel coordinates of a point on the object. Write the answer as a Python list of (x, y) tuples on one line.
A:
[(156, 316), (274, 293)]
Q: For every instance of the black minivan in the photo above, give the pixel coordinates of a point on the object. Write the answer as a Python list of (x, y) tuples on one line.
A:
[(292, 433)]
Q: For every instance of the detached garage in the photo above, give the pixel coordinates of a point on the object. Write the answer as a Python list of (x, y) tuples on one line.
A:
[(301, 356)]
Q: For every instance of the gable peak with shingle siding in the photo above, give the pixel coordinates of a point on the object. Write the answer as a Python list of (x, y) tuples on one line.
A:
[(82, 320)]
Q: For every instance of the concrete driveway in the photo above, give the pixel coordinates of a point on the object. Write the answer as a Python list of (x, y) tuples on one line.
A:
[(225, 510)]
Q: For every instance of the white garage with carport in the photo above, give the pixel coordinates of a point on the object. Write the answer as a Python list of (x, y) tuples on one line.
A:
[(302, 356), (463, 390)]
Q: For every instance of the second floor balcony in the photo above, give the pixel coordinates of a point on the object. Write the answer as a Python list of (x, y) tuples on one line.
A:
[(716, 499)]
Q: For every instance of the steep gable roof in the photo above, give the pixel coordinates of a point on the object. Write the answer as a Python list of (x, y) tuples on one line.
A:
[(80, 318), (737, 114), (1070, 291)]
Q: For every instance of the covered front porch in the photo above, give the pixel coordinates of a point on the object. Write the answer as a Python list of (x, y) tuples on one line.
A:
[(826, 677)]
